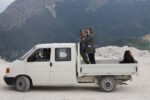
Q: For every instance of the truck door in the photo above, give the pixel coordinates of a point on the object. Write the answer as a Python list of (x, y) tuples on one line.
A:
[(63, 67), (38, 66)]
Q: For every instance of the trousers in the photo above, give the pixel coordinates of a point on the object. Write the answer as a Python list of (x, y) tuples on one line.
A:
[(92, 58)]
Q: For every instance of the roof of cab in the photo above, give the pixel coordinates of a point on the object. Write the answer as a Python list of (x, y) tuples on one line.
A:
[(45, 45)]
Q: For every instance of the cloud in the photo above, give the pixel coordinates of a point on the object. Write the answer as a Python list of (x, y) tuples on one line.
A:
[(4, 4)]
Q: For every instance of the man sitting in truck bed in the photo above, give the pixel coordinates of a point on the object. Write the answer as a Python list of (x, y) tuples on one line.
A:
[(128, 58)]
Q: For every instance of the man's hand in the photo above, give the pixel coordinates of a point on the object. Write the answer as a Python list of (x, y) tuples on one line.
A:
[(79, 40)]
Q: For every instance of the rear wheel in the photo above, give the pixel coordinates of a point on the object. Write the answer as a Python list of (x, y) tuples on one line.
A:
[(22, 84), (107, 83)]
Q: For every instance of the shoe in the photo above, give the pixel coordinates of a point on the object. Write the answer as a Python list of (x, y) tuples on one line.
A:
[(87, 62)]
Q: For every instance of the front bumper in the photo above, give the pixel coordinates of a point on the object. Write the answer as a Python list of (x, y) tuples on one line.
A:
[(9, 80)]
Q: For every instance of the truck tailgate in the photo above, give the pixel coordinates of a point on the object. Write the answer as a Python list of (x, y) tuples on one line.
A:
[(109, 69)]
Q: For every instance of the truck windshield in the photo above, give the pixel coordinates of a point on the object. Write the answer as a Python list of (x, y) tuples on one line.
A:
[(26, 54)]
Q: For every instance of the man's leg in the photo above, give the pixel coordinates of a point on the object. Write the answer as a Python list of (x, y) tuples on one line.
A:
[(92, 58), (85, 58)]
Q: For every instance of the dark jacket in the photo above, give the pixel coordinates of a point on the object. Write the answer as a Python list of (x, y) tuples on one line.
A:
[(89, 44), (129, 59)]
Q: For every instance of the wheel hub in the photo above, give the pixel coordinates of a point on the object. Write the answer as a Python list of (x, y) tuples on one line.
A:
[(108, 84)]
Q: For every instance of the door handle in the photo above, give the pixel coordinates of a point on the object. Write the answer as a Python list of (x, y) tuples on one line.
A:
[(51, 64)]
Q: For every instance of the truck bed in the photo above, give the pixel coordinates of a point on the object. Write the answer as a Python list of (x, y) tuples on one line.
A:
[(110, 67)]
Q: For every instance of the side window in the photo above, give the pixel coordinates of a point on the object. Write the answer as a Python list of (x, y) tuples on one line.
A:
[(40, 55), (63, 54)]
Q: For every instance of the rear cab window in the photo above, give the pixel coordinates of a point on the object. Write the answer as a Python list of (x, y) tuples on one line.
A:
[(62, 54)]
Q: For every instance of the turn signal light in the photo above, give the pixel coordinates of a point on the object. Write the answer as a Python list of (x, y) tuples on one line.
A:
[(7, 70)]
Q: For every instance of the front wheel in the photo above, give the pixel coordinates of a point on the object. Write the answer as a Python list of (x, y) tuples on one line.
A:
[(22, 84), (107, 83)]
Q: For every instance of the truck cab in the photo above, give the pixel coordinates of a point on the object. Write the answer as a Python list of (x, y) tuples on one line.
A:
[(58, 64)]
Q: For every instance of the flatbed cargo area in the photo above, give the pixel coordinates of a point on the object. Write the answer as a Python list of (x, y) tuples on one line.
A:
[(109, 69)]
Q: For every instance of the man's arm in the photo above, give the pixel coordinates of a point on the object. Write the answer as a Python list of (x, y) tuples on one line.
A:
[(87, 39)]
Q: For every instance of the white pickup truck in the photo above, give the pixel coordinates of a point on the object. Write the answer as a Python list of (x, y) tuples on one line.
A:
[(60, 64)]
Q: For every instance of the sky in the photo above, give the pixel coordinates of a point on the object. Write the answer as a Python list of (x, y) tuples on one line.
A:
[(4, 4)]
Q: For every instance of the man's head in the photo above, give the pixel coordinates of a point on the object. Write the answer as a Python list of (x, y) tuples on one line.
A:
[(88, 31), (44, 52), (127, 53), (81, 32)]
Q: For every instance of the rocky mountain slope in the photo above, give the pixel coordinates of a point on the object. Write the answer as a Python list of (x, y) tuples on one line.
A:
[(147, 37), (28, 22)]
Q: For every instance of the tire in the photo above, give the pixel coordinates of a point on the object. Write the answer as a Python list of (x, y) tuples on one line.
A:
[(22, 84), (107, 84)]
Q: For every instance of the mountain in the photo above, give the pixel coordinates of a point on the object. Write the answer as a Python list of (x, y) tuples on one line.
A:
[(146, 37), (28, 22), (138, 43)]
